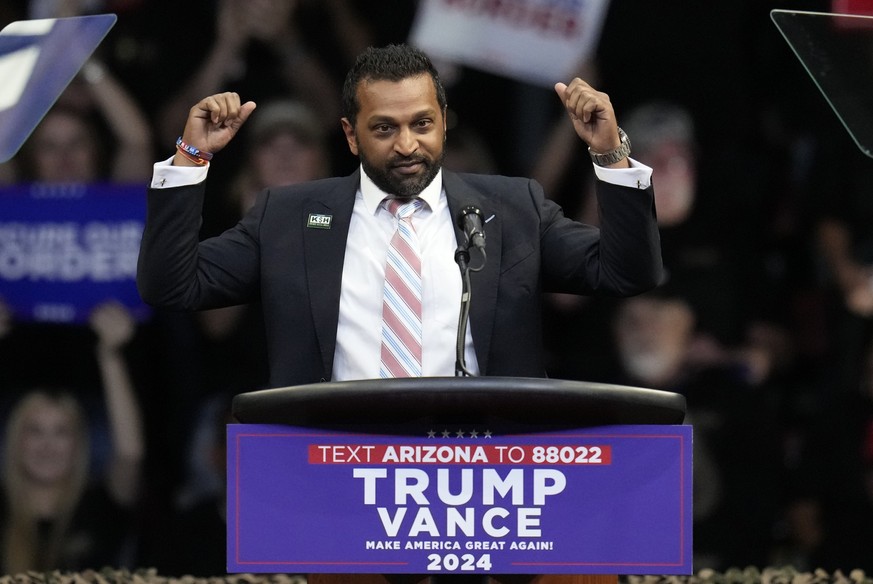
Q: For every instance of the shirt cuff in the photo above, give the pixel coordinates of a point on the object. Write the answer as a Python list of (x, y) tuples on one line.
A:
[(638, 176), (165, 175)]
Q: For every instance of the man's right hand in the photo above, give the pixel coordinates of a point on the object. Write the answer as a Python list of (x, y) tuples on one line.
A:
[(213, 123)]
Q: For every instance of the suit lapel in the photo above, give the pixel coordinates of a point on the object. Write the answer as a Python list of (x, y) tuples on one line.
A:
[(324, 248), (483, 302)]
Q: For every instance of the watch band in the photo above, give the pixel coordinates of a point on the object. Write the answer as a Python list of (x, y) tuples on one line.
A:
[(613, 156)]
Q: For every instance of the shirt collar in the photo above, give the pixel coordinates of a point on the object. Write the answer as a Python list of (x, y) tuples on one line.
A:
[(373, 195)]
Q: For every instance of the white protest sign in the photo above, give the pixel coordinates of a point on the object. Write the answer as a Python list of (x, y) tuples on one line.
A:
[(534, 41)]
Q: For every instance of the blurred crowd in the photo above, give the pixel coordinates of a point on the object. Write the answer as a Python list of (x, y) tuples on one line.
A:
[(114, 430)]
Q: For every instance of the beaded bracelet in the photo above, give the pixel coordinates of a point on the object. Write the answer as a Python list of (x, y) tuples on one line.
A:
[(195, 152), (195, 159)]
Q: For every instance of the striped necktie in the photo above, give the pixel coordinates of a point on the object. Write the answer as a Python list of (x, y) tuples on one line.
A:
[(401, 304)]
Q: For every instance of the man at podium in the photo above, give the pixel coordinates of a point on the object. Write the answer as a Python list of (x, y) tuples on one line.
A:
[(356, 274)]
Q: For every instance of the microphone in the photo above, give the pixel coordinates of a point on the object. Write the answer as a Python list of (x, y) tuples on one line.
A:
[(470, 221)]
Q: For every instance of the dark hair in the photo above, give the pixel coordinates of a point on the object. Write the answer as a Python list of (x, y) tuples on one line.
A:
[(389, 63)]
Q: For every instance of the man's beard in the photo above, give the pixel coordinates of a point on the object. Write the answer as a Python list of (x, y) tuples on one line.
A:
[(402, 186)]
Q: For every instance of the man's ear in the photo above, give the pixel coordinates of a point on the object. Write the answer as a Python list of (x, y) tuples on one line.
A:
[(349, 131)]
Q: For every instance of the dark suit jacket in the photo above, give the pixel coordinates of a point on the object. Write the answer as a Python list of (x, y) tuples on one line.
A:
[(296, 270)]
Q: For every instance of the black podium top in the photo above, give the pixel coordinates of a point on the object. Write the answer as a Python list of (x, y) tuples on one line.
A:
[(501, 403)]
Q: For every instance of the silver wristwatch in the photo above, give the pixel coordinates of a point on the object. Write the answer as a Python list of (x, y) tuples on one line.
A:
[(613, 156)]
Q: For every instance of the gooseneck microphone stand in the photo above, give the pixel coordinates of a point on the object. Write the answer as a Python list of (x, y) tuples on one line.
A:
[(462, 258)]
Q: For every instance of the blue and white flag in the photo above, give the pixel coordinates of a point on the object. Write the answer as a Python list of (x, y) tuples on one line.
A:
[(64, 249)]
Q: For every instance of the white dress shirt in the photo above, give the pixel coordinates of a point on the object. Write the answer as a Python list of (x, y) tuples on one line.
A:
[(359, 333)]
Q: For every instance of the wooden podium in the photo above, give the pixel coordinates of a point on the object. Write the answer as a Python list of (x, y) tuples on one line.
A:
[(409, 407)]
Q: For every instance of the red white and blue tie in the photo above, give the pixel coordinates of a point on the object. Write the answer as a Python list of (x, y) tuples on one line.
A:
[(401, 305)]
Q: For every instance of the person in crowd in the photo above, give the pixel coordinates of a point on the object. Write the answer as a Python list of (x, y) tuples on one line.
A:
[(716, 274), (257, 48), (265, 50), (96, 132), (284, 144), (56, 512), (713, 272), (324, 246), (737, 448)]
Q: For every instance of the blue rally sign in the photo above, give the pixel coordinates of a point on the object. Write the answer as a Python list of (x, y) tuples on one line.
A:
[(606, 500), (64, 249), (38, 59)]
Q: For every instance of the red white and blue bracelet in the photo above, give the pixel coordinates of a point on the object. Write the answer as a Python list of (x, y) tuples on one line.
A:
[(193, 154)]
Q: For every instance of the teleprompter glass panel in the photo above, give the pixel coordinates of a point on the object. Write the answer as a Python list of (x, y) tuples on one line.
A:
[(837, 52), (38, 59)]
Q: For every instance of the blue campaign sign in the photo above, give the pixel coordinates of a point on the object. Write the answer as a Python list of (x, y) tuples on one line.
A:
[(602, 500), (38, 59), (64, 249)]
